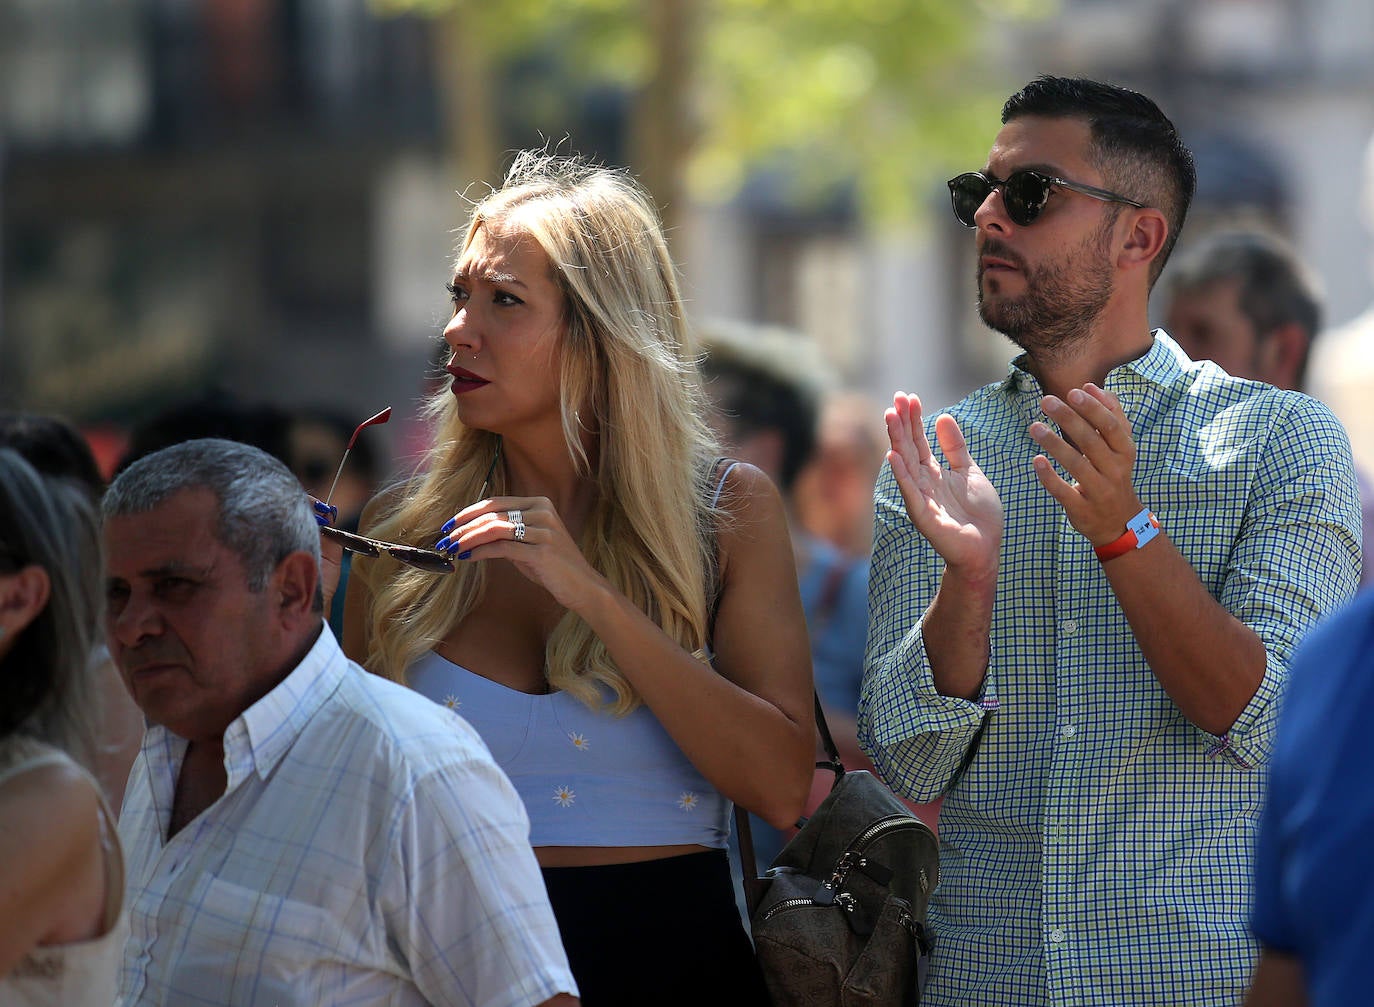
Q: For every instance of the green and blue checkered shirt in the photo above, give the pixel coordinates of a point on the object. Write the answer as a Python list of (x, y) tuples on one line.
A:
[(1096, 847)]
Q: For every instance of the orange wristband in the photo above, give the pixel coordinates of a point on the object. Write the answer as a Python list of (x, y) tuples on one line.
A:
[(1139, 530)]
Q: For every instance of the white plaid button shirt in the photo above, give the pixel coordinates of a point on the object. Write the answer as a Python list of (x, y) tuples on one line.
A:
[(367, 850), (1097, 847)]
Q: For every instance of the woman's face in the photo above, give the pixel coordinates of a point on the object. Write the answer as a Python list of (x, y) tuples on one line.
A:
[(506, 334)]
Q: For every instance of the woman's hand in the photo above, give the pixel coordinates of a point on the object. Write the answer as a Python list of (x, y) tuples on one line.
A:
[(331, 553), (528, 532)]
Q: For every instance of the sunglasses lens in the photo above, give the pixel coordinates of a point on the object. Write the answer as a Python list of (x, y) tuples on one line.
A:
[(966, 193), (352, 543), (421, 559), (1025, 195)]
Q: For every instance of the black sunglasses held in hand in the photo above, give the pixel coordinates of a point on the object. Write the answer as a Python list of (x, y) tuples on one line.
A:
[(1024, 194), (421, 559)]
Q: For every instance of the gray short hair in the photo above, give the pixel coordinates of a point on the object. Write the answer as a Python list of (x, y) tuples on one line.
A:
[(264, 514), (1275, 287)]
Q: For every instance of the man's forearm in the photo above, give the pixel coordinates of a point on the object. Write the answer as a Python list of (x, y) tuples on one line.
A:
[(957, 629), (1208, 661)]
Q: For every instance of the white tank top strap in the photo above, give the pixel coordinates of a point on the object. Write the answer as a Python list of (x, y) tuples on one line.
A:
[(36, 758)]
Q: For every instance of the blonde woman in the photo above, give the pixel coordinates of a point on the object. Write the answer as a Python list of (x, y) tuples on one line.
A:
[(623, 626)]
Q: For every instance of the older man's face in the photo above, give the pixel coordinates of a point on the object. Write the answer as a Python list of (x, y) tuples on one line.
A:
[(193, 643)]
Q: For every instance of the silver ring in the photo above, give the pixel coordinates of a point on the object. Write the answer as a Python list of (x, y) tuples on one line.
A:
[(516, 516), (519, 531)]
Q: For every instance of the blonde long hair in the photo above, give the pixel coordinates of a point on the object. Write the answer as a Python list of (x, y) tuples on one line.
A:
[(627, 374)]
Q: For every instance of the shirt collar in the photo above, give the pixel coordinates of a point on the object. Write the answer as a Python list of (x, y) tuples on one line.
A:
[(258, 738), (1133, 382)]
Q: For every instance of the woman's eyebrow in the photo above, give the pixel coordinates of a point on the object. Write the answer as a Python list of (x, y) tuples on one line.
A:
[(492, 276)]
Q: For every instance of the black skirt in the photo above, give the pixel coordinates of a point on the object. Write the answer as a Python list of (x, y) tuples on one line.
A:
[(660, 932)]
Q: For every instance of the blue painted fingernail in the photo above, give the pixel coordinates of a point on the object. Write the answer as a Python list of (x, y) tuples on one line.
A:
[(449, 525), (322, 522), (442, 544), (465, 554)]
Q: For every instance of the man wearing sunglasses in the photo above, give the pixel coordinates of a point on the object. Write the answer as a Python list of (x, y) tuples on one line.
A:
[(1086, 584), (297, 831)]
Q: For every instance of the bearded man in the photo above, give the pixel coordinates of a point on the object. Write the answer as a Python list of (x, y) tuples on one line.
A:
[(1087, 582)]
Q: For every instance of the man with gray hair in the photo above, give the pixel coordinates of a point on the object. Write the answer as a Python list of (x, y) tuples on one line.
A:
[(297, 830), (1244, 300)]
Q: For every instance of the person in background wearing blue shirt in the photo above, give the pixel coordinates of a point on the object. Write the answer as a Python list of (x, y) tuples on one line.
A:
[(1314, 908), (1087, 583)]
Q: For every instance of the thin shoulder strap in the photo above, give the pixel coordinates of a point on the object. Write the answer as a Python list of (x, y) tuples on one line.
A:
[(725, 473), (713, 573), (41, 758), (114, 860)]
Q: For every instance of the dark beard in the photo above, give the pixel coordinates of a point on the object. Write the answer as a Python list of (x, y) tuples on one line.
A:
[(1061, 303)]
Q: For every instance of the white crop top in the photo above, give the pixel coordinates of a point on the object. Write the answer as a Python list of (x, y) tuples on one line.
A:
[(587, 778)]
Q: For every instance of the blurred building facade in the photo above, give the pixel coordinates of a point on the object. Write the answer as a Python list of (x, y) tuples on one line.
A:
[(186, 195), (249, 194), (1276, 97)]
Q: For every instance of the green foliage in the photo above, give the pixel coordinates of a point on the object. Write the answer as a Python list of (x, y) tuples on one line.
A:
[(888, 97)]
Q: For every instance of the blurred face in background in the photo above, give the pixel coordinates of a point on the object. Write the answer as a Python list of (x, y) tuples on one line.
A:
[(316, 448), (1208, 323)]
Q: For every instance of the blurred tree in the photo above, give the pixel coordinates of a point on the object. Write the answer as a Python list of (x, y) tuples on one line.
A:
[(874, 94)]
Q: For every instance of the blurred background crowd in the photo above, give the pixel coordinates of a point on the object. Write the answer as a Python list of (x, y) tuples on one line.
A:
[(209, 206), (236, 218)]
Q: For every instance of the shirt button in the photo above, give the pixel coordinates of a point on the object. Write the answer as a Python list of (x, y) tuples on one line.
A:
[(1069, 626), (1068, 731), (1056, 936)]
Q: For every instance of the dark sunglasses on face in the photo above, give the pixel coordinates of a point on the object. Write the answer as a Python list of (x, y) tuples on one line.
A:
[(1024, 194)]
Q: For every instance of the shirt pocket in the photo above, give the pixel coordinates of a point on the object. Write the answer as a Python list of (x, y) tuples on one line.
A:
[(256, 947)]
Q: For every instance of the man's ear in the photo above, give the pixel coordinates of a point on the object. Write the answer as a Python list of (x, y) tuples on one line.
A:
[(23, 595), (1281, 355), (295, 582), (1145, 239)]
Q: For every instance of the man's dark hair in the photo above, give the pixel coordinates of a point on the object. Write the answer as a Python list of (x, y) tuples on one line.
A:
[(214, 413), (1274, 287), (1134, 145), (54, 447), (755, 394)]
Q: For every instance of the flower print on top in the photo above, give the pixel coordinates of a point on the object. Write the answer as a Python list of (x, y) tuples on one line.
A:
[(621, 781), (452, 701)]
